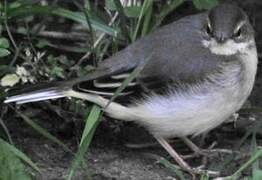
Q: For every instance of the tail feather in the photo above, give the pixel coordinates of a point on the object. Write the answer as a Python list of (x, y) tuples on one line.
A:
[(37, 95), (113, 109)]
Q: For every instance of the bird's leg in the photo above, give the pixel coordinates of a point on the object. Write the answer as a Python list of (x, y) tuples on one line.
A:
[(204, 152), (197, 151), (193, 147), (180, 161), (174, 154)]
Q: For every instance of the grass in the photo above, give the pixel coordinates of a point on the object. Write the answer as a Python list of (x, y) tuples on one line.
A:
[(88, 133), (27, 30)]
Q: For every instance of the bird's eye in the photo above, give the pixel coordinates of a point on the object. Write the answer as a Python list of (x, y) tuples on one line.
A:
[(208, 29), (238, 33)]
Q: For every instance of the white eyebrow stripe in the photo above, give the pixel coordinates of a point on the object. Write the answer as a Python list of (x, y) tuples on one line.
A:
[(209, 24), (239, 25)]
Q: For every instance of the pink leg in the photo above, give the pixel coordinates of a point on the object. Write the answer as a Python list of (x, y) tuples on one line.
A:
[(180, 161), (174, 154)]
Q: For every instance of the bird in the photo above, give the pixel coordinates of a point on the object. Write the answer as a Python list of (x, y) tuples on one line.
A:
[(191, 75)]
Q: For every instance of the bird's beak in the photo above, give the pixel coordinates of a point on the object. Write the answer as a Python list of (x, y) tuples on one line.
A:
[(221, 38)]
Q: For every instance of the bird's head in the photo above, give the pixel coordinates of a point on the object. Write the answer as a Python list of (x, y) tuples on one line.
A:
[(227, 30)]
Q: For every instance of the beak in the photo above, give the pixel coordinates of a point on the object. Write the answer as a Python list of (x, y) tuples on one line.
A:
[(221, 38)]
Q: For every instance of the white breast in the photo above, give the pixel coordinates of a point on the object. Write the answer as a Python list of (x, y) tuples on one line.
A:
[(202, 108), (180, 114)]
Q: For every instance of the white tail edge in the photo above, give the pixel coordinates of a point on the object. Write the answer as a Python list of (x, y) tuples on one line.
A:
[(35, 96)]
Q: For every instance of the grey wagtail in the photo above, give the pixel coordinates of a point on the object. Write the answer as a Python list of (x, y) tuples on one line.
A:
[(197, 72)]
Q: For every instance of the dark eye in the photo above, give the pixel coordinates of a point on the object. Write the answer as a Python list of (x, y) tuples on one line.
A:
[(209, 30), (238, 33)]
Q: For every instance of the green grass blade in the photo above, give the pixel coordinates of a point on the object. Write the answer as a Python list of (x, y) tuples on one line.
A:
[(91, 31), (257, 174), (11, 167), (253, 109), (249, 132), (43, 43), (252, 159), (173, 167), (27, 10), (145, 6), (20, 155), (123, 19), (168, 8), (255, 165), (42, 131), (256, 171), (91, 122), (204, 177), (147, 20), (80, 18), (205, 4), (6, 131), (90, 127), (87, 4)]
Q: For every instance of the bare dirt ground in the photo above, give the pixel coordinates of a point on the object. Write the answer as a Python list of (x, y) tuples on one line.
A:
[(109, 158)]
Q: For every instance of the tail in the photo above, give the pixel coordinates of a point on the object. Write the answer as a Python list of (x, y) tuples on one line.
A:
[(113, 109), (36, 93), (53, 90), (36, 96)]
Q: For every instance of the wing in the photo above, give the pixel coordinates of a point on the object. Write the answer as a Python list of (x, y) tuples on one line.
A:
[(176, 55)]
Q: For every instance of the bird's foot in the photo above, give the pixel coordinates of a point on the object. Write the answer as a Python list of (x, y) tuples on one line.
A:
[(194, 172), (201, 170), (183, 165), (210, 151)]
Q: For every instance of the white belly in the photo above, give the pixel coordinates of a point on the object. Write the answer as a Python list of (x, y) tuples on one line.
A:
[(179, 114), (174, 115), (200, 109)]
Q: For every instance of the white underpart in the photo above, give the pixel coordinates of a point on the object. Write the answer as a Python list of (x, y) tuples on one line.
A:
[(179, 114), (230, 47), (185, 114)]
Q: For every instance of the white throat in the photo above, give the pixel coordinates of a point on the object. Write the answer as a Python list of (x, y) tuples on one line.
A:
[(228, 48)]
